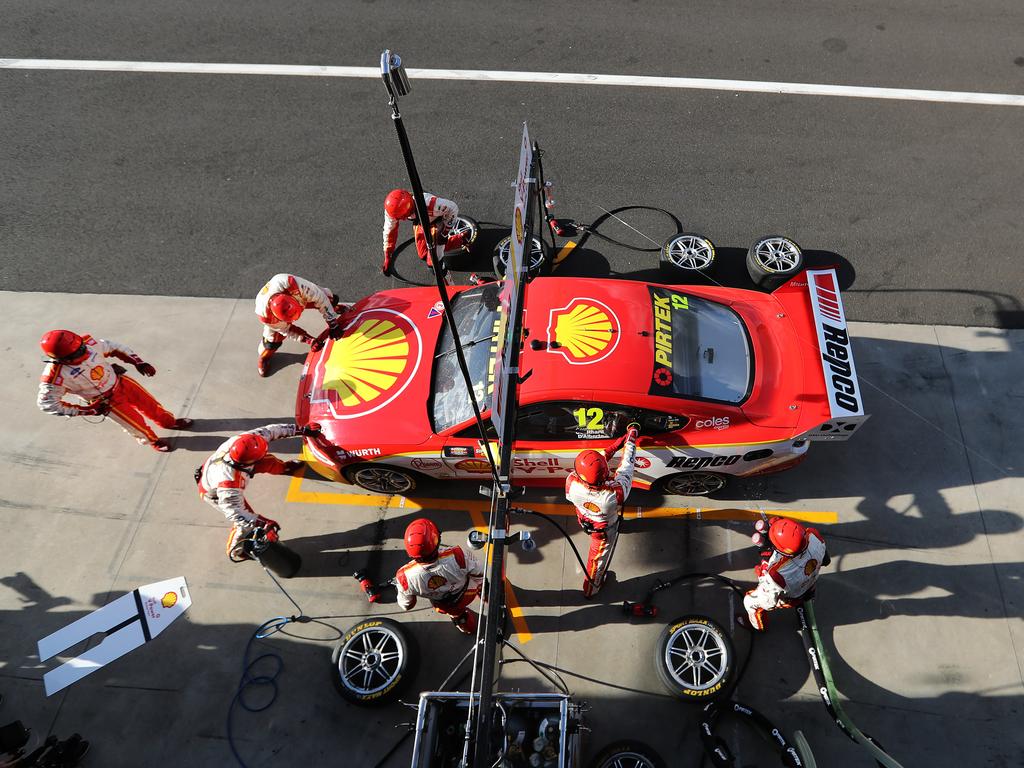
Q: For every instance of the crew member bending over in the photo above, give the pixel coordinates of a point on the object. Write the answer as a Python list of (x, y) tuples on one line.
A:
[(599, 501), (790, 566), (399, 206), (448, 577)]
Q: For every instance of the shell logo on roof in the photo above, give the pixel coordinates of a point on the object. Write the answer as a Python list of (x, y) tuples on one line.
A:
[(586, 331), (372, 363)]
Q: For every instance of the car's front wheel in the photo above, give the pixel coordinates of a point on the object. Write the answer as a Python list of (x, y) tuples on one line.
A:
[(694, 483), (381, 478), (537, 263)]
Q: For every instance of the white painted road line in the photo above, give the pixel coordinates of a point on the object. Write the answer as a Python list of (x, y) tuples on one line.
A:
[(557, 78)]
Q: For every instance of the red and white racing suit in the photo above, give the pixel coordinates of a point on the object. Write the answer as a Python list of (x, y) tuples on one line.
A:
[(95, 381), (437, 207), (782, 578), (599, 508), (451, 583), (306, 293), (222, 485)]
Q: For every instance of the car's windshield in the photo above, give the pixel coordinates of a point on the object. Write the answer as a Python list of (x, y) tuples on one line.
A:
[(476, 316), (701, 349)]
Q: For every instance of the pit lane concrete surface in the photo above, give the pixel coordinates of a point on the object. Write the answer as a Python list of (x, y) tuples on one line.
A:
[(920, 609)]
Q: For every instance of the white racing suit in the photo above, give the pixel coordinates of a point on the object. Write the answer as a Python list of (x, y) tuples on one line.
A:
[(437, 208), (782, 579), (598, 510), (222, 485), (95, 381), (308, 294), (451, 583)]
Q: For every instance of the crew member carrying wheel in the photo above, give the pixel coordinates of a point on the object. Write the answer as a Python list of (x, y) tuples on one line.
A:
[(281, 302), (792, 559), (599, 501), (223, 477), (78, 365), (449, 577), (399, 206)]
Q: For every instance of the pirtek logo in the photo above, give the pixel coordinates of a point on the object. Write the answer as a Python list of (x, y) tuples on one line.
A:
[(586, 330)]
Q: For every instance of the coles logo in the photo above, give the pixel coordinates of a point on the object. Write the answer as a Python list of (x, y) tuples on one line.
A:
[(718, 422), (586, 331), (96, 373), (169, 599), (473, 465), (642, 462), (372, 363)]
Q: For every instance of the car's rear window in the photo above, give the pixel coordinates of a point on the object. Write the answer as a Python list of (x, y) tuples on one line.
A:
[(476, 316), (701, 349)]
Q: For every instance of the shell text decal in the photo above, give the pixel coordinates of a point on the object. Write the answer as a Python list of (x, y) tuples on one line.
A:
[(584, 331)]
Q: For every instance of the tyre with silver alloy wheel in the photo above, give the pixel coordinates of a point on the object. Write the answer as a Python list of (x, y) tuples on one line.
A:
[(773, 260), (694, 659), (627, 754), (694, 484), (538, 262), (381, 478), (687, 258), (373, 662), (459, 259)]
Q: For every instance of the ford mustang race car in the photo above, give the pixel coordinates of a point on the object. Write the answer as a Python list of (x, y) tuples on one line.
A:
[(724, 382)]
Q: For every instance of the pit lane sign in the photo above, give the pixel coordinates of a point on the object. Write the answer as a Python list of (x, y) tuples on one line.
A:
[(514, 275), (128, 622)]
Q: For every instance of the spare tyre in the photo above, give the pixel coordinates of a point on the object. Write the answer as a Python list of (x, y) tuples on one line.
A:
[(373, 662), (627, 754), (773, 260), (694, 659)]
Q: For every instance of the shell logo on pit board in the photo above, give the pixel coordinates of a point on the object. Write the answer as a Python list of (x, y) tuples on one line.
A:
[(372, 363), (169, 599), (586, 331)]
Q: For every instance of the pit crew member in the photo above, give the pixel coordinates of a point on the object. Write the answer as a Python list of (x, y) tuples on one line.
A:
[(281, 302), (791, 563), (449, 577), (223, 477), (599, 501), (399, 206), (80, 366)]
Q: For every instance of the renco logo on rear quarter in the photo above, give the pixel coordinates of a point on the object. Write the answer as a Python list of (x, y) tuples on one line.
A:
[(372, 363), (586, 331)]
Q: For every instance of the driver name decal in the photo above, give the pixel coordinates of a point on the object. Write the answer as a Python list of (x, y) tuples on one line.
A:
[(371, 364), (584, 331)]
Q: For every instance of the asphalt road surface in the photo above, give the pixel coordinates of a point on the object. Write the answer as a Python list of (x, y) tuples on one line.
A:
[(204, 185)]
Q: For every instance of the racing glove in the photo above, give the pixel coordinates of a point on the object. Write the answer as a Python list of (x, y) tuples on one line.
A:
[(271, 528), (145, 368), (632, 431), (316, 344), (311, 430), (334, 329), (98, 409), (291, 467), (386, 268)]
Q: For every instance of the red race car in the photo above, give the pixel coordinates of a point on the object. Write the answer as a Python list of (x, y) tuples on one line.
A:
[(724, 382)]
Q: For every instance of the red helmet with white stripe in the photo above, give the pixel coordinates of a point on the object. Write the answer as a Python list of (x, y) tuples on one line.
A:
[(399, 204), (64, 346), (592, 467), (422, 540), (285, 307)]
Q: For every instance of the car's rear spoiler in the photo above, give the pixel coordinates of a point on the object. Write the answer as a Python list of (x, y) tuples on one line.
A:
[(846, 404)]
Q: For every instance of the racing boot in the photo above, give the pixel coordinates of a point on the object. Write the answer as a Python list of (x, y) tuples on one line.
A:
[(263, 363), (161, 445), (466, 623), (182, 424)]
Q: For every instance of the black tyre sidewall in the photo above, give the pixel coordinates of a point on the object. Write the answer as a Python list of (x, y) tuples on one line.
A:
[(672, 273), (671, 685), (627, 745), (545, 266), (406, 675), (762, 278), (461, 260), (663, 485), (350, 475)]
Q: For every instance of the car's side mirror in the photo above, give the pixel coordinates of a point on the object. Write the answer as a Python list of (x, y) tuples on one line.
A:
[(393, 74)]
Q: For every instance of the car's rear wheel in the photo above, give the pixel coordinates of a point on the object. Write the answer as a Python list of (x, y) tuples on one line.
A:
[(687, 258), (628, 754), (773, 260), (538, 261), (381, 478), (459, 259), (694, 483)]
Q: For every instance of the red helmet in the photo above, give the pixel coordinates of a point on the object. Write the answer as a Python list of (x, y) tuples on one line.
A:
[(285, 307), (399, 204), (592, 467), (422, 539), (787, 536), (248, 449), (63, 345)]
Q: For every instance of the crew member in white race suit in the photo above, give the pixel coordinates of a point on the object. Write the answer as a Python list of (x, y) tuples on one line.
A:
[(281, 302), (78, 365), (399, 206), (449, 578), (599, 501), (223, 477), (789, 568)]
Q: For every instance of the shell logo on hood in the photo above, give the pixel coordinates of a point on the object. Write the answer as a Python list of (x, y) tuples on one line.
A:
[(372, 363), (586, 331)]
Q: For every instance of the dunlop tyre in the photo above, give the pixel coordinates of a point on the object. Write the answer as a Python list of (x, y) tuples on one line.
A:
[(769, 272), (393, 679), (540, 258), (462, 258), (687, 258), (716, 660), (627, 754), (382, 478)]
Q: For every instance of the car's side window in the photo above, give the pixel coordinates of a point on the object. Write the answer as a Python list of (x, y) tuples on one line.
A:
[(572, 420), (472, 432), (655, 422)]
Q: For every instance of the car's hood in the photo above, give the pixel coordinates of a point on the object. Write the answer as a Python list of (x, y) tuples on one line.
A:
[(370, 387)]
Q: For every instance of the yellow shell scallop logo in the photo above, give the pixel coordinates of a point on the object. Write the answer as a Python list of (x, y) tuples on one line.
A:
[(371, 363), (586, 331), (169, 599)]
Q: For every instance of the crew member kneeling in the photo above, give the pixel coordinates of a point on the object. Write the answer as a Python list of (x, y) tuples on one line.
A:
[(399, 205), (223, 477), (789, 568), (449, 578), (599, 501)]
